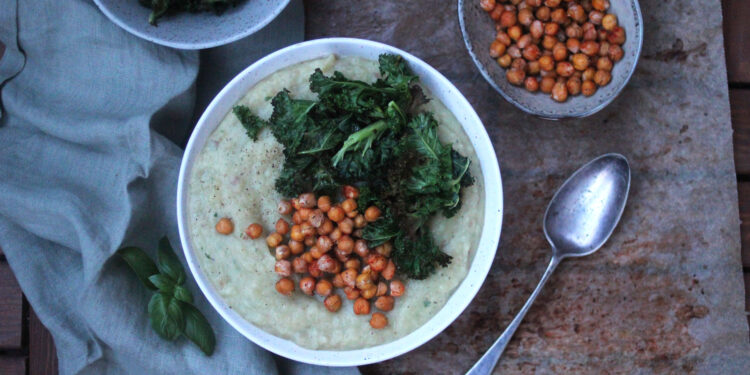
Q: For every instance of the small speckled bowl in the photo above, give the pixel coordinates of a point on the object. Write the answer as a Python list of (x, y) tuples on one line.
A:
[(479, 31), (193, 30), (441, 89)]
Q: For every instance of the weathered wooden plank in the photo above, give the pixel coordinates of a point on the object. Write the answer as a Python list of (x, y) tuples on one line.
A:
[(744, 196), (11, 310), (737, 39), (740, 102), (13, 366), (42, 353)]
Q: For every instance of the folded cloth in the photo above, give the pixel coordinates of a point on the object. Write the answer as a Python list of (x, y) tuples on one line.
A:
[(82, 174)]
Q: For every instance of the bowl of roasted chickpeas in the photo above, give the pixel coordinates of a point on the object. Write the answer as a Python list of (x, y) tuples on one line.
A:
[(554, 59)]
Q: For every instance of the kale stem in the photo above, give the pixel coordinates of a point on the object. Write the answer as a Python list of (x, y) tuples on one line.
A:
[(365, 136)]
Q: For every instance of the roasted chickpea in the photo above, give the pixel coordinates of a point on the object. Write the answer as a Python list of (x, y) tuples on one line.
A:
[(589, 31), (332, 303), (225, 226), (604, 48), (573, 85), (282, 252), (316, 218), (295, 203), (508, 18), (363, 281), (559, 52), (307, 230), (564, 69), (336, 234), (551, 28), (345, 244), (389, 271), (349, 276), (361, 306), (504, 60), (361, 249), (519, 64), (283, 267), (546, 84), (503, 38), (609, 22), (306, 285), (596, 17), (590, 48), (346, 226), (304, 213), (296, 247), (326, 228), (525, 17), (536, 30), (543, 14), (515, 32), (558, 16), (369, 292), (377, 262), (531, 53), (551, 3), (307, 200), (285, 286), (324, 203), (524, 41), (341, 256), (533, 3), (588, 88), (397, 288), (615, 53), (600, 5), (580, 61), (602, 77), (546, 63), (307, 257), (296, 233), (351, 293), (352, 264), (274, 239), (548, 42), (349, 205), (323, 288), (285, 208), (378, 321), (560, 92), (299, 265), (487, 5), (385, 249), (254, 231), (324, 243), (616, 36), (296, 218), (316, 252), (495, 13), (497, 49), (381, 289), (588, 74), (336, 214), (515, 76), (604, 63), (574, 31), (577, 13), (282, 227), (384, 303)]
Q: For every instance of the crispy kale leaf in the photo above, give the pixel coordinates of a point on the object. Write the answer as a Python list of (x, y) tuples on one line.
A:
[(250, 121), (372, 135), (161, 7)]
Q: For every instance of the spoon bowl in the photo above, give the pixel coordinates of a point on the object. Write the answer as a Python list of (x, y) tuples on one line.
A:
[(586, 209), (581, 216)]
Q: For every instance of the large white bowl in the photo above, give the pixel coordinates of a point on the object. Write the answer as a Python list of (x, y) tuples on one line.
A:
[(443, 90)]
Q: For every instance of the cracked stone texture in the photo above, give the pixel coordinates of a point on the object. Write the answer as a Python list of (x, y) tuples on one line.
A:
[(665, 295)]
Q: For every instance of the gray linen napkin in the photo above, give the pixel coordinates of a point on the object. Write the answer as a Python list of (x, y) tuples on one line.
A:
[(82, 173)]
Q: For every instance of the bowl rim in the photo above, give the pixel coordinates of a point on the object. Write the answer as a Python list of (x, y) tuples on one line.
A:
[(493, 203), (488, 78), (197, 44)]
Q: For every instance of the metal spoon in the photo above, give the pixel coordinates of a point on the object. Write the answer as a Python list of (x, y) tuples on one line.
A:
[(579, 220)]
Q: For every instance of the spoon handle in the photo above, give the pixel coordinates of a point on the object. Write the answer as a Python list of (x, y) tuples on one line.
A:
[(489, 359)]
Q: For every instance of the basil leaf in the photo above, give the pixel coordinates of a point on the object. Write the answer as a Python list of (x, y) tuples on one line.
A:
[(166, 316), (198, 330), (182, 294), (163, 282), (140, 263), (168, 263)]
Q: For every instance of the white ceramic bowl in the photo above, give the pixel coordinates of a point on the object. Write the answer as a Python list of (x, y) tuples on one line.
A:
[(193, 30), (443, 90)]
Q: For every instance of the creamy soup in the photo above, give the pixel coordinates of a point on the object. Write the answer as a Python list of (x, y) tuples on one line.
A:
[(234, 177)]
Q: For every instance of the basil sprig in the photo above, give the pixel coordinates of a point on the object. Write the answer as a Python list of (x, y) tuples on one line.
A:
[(171, 309)]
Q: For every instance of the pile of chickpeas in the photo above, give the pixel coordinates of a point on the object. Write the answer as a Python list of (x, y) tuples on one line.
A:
[(559, 47), (323, 246)]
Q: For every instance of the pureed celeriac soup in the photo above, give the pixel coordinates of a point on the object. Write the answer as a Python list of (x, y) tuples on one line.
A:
[(234, 177)]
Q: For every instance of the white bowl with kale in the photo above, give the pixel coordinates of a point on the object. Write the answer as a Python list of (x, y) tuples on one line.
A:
[(317, 117)]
